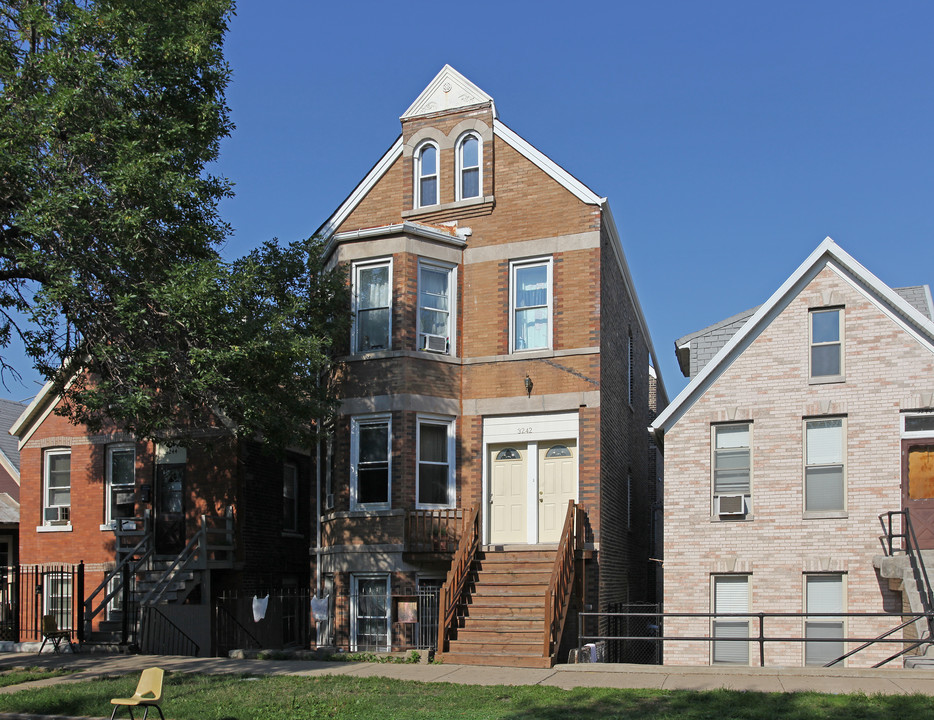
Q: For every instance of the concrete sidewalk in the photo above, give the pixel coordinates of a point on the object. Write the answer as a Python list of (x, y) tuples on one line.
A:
[(893, 681)]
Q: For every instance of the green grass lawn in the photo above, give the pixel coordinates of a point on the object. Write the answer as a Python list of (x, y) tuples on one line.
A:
[(227, 697), (21, 675)]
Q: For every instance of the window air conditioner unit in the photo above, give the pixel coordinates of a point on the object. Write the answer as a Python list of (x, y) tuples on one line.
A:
[(57, 515), (434, 343), (731, 505)]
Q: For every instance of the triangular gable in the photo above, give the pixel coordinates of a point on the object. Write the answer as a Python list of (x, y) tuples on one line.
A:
[(828, 253), (448, 91)]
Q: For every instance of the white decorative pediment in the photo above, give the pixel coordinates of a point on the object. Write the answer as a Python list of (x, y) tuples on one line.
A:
[(448, 91)]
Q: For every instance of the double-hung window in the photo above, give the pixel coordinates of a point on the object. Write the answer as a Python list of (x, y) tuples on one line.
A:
[(372, 308), (435, 308), (426, 176), (56, 500), (824, 472), (121, 484), (435, 450), (531, 305), (826, 352), (371, 466), (468, 167), (58, 599), (289, 498), (823, 594), (731, 595), (732, 468)]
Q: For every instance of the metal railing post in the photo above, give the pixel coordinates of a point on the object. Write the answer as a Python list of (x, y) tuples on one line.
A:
[(125, 619), (761, 639), (79, 596)]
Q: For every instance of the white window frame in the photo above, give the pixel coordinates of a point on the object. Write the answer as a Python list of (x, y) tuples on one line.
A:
[(355, 593), (287, 470), (735, 625), (452, 308), (830, 512), (355, 424), (906, 433), (840, 343), (357, 268), (417, 167), (459, 154), (46, 468), (714, 494), (447, 423), (841, 622), (109, 520), (514, 267)]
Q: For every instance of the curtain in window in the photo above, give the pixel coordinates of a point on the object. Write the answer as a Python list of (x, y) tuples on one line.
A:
[(433, 468), (373, 308), (434, 301), (531, 302), (372, 614)]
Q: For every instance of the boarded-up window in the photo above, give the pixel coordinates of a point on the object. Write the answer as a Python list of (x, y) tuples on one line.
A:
[(921, 472)]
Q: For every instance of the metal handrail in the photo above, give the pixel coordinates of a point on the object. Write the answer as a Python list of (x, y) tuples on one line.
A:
[(182, 561), (562, 578), (142, 551), (762, 638), (456, 581), (912, 550)]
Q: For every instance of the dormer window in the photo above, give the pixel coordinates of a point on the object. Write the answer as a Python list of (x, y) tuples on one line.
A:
[(468, 167), (426, 176)]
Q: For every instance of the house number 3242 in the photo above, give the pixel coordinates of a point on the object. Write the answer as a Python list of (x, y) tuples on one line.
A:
[(524, 430)]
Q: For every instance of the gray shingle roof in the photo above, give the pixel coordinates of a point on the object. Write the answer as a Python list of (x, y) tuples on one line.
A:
[(919, 297), (10, 410)]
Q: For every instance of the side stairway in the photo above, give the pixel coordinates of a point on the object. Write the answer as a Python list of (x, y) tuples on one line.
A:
[(501, 620), (897, 570)]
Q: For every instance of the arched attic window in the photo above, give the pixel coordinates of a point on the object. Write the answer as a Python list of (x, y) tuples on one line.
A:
[(469, 154), (426, 175)]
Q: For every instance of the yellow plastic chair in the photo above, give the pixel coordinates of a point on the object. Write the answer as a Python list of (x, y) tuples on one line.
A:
[(148, 694)]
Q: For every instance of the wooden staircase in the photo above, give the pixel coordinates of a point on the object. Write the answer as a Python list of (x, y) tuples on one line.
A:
[(501, 620)]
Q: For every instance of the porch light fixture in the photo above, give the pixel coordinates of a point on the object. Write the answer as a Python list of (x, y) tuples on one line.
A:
[(528, 386)]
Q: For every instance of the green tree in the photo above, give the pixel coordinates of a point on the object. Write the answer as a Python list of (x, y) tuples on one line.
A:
[(110, 113)]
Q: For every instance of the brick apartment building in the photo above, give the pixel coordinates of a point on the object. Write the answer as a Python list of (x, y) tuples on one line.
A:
[(499, 361), (804, 421)]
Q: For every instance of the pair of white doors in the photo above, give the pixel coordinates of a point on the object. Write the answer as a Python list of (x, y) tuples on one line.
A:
[(530, 486)]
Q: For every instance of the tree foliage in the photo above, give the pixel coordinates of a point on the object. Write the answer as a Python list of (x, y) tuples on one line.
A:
[(111, 112)]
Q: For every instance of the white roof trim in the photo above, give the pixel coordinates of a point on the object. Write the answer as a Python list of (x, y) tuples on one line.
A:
[(30, 418), (448, 91), (828, 253), (7, 465), (549, 166), (360, 192), (407, 226)]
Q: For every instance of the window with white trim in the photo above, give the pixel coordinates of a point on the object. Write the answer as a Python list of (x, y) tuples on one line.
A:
[(469, 177), (732, 469), (435, 308), (531, 305), (370, 464), (823, 594), (435, 450), (289, 497), (730, 595), (372, 326), (58, 598), (121, 484), (825, 466), (826, 344), (56, 494), (426, 175)]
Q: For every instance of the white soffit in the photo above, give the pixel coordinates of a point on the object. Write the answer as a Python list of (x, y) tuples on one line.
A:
[(827, 254), (448, 91)]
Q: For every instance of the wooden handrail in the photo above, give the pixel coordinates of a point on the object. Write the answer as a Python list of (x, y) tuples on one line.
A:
[(456, 581), (562, 576)]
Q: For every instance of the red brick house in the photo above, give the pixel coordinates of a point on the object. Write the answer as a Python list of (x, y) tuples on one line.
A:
[(498, 369), (190, 524), (806, 419)]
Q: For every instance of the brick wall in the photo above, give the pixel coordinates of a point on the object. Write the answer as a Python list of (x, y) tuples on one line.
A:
[(768, 385)]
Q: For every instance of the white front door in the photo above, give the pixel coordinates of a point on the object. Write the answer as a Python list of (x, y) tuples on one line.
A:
[(530, 485), (557, 484), (509, 494)]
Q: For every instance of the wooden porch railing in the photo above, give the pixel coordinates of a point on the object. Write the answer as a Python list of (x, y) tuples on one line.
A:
[(558, 597), (453, 587), (433, 530)]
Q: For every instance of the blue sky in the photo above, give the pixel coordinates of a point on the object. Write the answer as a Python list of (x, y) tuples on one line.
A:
[(729, 137)]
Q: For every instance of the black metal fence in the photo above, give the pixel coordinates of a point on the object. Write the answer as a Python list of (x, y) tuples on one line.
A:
[(283, 621), (640, 624), (29, 592)]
